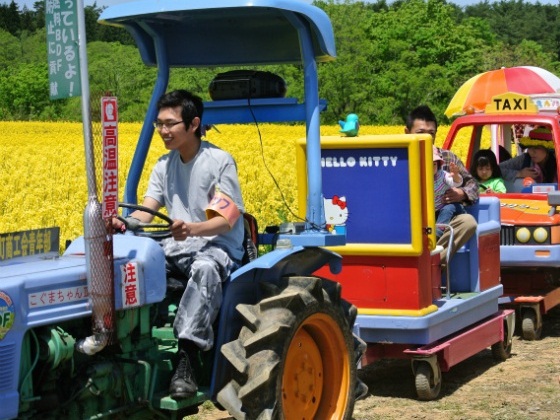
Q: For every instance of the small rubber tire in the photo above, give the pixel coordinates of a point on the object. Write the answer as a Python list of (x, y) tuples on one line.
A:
[(501, 350), (426, 387), (529, 330)]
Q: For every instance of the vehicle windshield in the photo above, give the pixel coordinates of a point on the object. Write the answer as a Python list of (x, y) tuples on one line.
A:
[(507, 140)]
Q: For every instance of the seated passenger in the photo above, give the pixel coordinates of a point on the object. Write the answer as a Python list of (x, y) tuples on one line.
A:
[(538, 162), (421, 120), (485, 169)]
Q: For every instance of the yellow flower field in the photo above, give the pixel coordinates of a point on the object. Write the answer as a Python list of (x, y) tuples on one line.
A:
[(43, 180)]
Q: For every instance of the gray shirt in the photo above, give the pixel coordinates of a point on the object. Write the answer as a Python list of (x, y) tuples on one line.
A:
[(186, 189)]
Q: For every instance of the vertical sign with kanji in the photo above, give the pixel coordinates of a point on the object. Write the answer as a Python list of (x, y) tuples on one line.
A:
[(132, 279), (62, 45), (109, 121)]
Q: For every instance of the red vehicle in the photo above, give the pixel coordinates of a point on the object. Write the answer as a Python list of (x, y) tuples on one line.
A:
[(530, 222)]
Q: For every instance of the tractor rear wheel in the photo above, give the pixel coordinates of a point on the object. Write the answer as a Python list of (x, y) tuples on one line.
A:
[(295, 356)]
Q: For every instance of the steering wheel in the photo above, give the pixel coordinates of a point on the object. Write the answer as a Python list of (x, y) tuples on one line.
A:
[(155, 230)]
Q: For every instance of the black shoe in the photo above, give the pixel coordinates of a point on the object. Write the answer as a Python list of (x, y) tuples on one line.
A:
[(183, 384)]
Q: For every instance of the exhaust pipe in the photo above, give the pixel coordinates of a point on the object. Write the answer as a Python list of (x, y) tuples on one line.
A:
[(99, 265)]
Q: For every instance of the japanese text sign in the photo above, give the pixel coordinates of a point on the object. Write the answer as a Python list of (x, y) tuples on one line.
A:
[(109, 122), (62, 48), (29, 242), (57, 296), (131, 284)]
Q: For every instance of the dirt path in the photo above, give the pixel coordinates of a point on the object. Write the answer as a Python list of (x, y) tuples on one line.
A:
[(526, 386)]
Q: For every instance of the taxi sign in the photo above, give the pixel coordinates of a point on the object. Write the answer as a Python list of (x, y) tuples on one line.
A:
[(511, 103)]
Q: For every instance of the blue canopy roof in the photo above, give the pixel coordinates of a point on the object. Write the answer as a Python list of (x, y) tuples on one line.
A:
[(208, 33)]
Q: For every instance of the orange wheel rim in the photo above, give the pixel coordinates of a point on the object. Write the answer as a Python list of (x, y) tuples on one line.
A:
[(316, 377)]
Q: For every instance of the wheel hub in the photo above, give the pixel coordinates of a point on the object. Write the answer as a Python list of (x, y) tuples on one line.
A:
[(303, 379)]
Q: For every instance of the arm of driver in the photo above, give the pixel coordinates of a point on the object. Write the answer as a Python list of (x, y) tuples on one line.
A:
[(181, 230), (143, 216)]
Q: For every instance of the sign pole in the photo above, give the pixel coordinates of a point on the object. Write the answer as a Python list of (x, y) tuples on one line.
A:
[(86, 116)]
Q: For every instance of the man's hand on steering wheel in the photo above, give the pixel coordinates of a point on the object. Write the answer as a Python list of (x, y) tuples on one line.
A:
[(150, 230)]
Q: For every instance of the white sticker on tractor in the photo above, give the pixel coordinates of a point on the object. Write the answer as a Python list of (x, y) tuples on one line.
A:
[(57, 296), (130, 286)]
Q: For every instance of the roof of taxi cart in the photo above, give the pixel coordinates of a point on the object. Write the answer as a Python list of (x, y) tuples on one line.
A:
[(523, 118), (208, 33)]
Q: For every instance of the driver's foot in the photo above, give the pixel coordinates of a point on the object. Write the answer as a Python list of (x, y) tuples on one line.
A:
[(183, 384), (175, 286)]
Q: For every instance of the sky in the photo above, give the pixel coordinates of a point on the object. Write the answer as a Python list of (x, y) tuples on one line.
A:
[(102, 3)]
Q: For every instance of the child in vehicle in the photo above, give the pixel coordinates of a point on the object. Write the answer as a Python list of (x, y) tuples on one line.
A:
[(485, 169), (444, 180)]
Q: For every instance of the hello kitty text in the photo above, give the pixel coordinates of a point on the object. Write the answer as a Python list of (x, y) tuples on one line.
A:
[(361, 161)]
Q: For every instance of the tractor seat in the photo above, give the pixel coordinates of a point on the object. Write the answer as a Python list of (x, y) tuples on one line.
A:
[(176, 283)]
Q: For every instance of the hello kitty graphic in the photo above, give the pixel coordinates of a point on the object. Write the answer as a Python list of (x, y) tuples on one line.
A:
[(336, 214)]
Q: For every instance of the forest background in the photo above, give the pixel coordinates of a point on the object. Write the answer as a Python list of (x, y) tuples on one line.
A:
[(391, 57)]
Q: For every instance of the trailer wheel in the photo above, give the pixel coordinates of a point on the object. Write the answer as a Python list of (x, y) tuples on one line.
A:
[(502, 349), (295, 356), (529, 329), (427, 388)]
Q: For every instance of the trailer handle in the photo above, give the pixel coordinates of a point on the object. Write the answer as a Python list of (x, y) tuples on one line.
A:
[(449, 247)]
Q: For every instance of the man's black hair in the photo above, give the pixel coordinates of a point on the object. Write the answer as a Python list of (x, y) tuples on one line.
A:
[(191, 106), (423, 113)]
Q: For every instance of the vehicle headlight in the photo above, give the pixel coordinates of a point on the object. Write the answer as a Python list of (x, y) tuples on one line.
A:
[(523, 235), (540, 235), (533, 235)]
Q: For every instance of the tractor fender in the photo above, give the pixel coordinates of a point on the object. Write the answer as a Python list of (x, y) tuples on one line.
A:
[(297, 260)]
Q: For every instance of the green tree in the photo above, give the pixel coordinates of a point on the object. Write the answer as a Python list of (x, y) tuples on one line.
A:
[(346, 83), (33, 47), (10, 18), (391, 56), (118, 69), (391, 59), (514, 21), (9, 50), (25, 93), (526, 53)]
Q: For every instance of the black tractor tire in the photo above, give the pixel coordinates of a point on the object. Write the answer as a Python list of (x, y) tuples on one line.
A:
[(295, 356)]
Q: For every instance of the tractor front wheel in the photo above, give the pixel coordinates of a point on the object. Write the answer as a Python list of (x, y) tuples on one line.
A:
[(295, 355)]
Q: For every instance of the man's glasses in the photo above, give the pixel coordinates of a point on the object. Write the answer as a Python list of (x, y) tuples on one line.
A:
[(167, 125)]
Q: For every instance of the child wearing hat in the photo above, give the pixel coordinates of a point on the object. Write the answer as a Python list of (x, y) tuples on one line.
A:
[(538, 162), (444, 180)]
